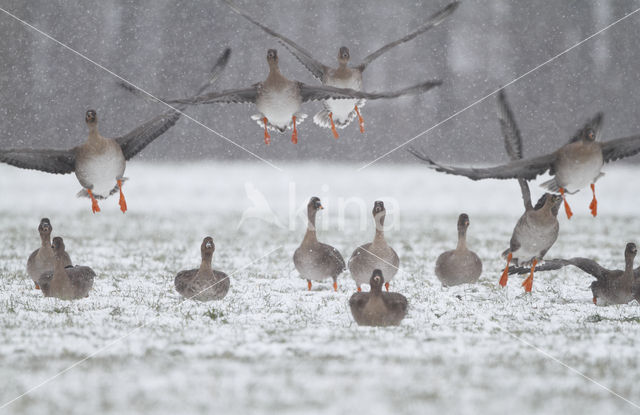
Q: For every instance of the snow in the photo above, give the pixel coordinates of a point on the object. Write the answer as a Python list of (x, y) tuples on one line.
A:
[(271, 346)]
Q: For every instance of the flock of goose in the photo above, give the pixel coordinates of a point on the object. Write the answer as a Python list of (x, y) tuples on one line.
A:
[(99, 164)]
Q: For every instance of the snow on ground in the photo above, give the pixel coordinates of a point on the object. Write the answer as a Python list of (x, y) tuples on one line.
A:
[(272, 346)]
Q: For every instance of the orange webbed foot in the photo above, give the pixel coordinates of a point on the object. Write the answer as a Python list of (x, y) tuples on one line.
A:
[(94, 203), (594, 202), (267, 137), (359, 289), (528, 283), (386, 285), (567, 209), (37, 286), (333, 126), (122, 202), (308, 285), (335, 286), (294, 135), (360, 120), (595, 301), (505, 274)]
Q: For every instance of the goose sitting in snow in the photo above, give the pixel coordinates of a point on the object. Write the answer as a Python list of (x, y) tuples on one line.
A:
[(279, 99), (340, 113), (611, 286), (460, 265), (378, 308), (42, 259), (376, 254), (65, 281), (204, 283), (314, 260), (99, 162)]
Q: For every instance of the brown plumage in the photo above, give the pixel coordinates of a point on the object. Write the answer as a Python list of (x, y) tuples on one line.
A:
[(42, 259), (66, 283), (204, 283), (460, 265), (378, 308), (314, 260)]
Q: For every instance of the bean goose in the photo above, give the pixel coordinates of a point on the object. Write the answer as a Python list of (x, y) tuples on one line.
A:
[(204, 283), (460, 265), (374, 255), (42, 259), (611, 286), (340, 113), (66, 282), (314, 260), (378, 308), (99, 162)]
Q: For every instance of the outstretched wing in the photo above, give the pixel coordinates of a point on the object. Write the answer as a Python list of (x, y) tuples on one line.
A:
[(323, 92), (50, 161), (433, 21), (133, 142), (230, 96), (548, 265), (512, 141), (587, 265), (620, 148), (525, 169), (316, 68)]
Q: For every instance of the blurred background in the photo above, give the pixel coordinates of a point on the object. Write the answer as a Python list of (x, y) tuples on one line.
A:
[(167, 47)]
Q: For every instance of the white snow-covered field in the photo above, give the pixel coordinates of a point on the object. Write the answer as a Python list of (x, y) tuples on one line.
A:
[(272, 347)]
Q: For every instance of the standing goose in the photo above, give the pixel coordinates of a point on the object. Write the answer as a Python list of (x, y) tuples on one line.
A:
[(99, 162), (374, 255), (377, 308), (460, 265), (204, 283), (314, 260), (65, 281), (611, 286), (42, 259), (341, 113), (574, 165), (279, 99)]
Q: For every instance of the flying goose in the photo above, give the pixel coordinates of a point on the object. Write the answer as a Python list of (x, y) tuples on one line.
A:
[(279, 99), (65, 281), (204, 283), (42, 259), (574, 165), (460, 265), (611, 286), (99, 162), (374, 255), (341, 113), (314, 260), (377, 308)]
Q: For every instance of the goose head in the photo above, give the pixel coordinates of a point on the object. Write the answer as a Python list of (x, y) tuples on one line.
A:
[(463, 222), (45, 227), (58, 245), (91, 117), (344, 55), (377, 280), (207, 246)]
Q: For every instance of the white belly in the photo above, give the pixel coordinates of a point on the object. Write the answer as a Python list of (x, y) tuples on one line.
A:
[(342, 108), (99, 173), (279, 106), (574, 175)]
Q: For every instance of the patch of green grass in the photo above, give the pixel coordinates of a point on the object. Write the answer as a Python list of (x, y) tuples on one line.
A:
[(215, 315)]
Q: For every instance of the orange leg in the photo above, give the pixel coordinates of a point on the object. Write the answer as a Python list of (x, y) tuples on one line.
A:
[(122, 202), (309, 285), (360, 120), (595, 301), (567, 209), (505, 274), (94, 203), (386, 285), (37, 286), (359, 289), (294, 136), (335, 286), (333, 126), (528, 283), (267, 137), (594, 202)]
